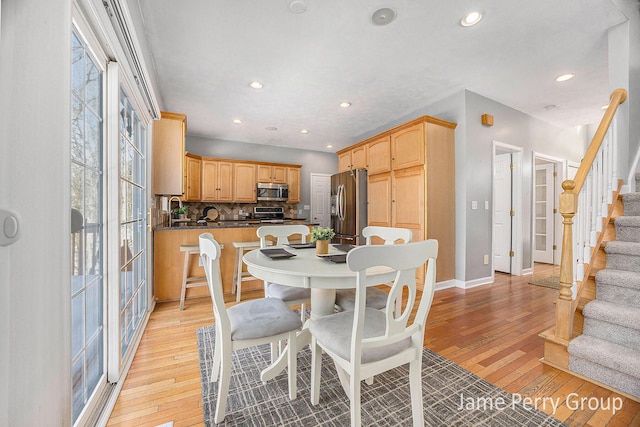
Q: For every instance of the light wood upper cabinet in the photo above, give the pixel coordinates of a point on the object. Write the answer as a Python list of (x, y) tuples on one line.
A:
[(276, 174), (379, 155), (407, 147), (192, 178), (293, 180), (217, 178), (344, 161), (355, 158), (168, 154), (359, 158), (244, 183)]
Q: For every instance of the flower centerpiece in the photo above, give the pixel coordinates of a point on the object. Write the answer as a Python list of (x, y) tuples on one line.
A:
[(322, 235)]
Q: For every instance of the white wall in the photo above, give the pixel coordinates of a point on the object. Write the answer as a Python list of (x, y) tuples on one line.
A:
[(34, 151)]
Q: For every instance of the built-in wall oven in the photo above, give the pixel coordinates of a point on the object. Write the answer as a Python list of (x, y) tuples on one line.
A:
[(270, 192)]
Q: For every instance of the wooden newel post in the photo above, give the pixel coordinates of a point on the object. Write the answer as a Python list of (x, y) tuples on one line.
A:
[(564, 305)]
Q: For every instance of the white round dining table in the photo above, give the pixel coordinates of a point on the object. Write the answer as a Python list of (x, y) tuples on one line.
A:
[(305, 269)]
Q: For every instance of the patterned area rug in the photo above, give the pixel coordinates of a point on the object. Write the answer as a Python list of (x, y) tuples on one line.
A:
[(452, 395), (548, 282)]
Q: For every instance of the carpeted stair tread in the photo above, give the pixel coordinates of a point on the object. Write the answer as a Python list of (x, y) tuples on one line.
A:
[(605, 353), (631, 203), (616, 323), (628, 228), (623, 255), (615, 379), (618, 286)]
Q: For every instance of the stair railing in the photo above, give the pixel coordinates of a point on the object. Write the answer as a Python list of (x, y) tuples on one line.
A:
[(587, 198)]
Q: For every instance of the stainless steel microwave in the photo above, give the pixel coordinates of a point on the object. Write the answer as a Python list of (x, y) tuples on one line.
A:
[(272, 192)]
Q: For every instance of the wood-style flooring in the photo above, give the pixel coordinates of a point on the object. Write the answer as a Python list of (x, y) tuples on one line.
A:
[(491, 330)]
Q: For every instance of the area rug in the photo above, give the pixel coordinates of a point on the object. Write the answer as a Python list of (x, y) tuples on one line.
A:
[(548, 282), (452, 395)]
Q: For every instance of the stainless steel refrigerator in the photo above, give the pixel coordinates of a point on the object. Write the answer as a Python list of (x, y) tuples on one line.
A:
[(349, 206)]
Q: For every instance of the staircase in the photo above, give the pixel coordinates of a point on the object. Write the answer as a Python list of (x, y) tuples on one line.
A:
[(608, 350)]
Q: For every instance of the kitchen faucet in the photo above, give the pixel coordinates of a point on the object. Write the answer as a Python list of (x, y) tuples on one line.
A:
[(171, 220)]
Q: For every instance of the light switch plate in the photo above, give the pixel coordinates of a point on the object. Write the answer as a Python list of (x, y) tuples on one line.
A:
[(474, 204)]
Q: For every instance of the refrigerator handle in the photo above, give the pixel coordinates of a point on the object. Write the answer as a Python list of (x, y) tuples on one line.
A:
[(341, 202)]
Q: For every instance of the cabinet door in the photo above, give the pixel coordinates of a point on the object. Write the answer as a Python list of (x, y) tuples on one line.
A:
[(279, 174), (225, 182), (359, 158), (408, 147), (192, 193), (379, 156), (407, 202), (379, 203), (293, 179), (264, 173), (168, 154), (209, 180), (244, 183), (344, 162)]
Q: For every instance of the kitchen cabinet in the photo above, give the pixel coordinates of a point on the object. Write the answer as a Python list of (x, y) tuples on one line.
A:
[(269, 173), (407, 147), (411, 184), (344, 161), (355, 158), (217, 178), (293, 180), (192, 177), (244, 182), (168, 154), (379, 155)]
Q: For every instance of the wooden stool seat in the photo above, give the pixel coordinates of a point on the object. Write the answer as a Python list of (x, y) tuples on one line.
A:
[(240, 276), (190, 281)]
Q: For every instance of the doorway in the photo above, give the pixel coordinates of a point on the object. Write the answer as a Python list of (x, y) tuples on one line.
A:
[(507, 222), (320, 199), (546, 242)]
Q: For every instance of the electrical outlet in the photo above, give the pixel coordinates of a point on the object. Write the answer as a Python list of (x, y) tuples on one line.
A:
[(474, 204), (486, 204), (300, 212), (486, 260)]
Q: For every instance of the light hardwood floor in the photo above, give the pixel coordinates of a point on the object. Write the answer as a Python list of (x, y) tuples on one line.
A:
[(491, 330)]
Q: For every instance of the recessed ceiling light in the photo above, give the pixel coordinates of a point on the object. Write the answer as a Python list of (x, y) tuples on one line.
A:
[(565, 77), (304, 131), (549, 107), (237, 121), (471, 19), (329, 146), (383, 16), (297, 7), (271, 128), (255, 85), (345, 104)]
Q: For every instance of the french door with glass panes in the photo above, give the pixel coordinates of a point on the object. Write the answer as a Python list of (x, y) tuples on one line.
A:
[(110, 292)]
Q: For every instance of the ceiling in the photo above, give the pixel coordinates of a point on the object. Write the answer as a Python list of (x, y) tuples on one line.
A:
[(206, 52)]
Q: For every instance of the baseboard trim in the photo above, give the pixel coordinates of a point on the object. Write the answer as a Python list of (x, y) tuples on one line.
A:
[(477, 282), (452, 283)]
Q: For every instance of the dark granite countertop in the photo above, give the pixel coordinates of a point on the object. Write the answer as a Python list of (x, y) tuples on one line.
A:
[(229, 224)]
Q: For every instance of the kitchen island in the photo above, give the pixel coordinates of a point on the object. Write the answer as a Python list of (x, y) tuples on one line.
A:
[(168, 261)]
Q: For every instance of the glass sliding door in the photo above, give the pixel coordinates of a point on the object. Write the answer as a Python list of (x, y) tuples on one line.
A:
[(87, 226), (133, 237)]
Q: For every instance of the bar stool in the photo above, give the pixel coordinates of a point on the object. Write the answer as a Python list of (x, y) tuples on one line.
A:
[(190, 281), (240, 276)]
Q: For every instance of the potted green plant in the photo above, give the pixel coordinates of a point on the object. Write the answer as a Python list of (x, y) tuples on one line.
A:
[(180, 213), (322, 235)]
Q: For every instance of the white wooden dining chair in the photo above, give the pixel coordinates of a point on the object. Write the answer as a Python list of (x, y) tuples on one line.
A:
[(378, 341), (248, 324), (376, 298), (289, 294)]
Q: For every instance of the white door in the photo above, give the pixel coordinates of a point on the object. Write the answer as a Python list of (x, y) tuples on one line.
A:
[(544, 218), (320, 199), (502, 216)]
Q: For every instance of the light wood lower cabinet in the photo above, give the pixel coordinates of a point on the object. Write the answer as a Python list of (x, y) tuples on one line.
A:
[(168, 261)]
